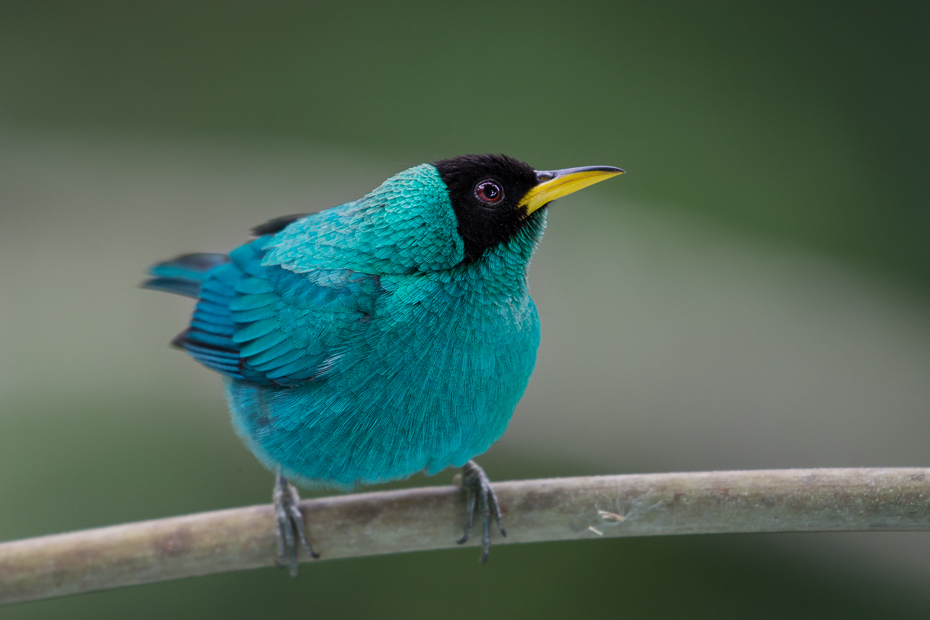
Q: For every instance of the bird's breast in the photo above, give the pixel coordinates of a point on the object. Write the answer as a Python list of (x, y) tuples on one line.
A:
[(427, 320)]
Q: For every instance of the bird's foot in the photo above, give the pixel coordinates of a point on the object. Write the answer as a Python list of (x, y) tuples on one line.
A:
[(478, 492), (290, 525)]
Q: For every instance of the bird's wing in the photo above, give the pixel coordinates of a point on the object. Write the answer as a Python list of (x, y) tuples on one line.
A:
[(268, 325)]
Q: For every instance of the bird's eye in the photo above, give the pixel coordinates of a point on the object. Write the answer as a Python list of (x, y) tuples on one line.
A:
[(489, 192)]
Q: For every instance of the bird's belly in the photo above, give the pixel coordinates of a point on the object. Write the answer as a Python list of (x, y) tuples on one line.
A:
[(411, 399)]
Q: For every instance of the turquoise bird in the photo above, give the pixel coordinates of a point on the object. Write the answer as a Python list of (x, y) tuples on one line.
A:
[(386, 336)]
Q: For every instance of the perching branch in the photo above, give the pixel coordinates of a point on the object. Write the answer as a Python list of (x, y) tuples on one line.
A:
[(794, 500)]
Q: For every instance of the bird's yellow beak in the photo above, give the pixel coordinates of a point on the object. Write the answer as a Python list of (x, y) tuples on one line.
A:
[(557, 183)]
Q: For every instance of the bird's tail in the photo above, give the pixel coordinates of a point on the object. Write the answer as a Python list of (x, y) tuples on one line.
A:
[(184, 274)]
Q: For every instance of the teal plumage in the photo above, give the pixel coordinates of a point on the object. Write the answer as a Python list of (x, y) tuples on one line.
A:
[(382, 337)]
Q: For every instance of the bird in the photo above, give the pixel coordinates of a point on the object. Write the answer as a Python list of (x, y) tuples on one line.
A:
[(386, 336)]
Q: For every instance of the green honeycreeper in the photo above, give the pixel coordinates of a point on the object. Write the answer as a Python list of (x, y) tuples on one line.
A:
[(385, 336)]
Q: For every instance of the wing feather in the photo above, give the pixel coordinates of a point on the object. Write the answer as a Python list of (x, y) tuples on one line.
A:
[(265, 324)]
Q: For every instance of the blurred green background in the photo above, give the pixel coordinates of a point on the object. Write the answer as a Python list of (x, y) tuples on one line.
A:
[(754, 293)]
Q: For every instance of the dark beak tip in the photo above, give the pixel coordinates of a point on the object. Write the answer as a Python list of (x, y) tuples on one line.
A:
[(548, 175)]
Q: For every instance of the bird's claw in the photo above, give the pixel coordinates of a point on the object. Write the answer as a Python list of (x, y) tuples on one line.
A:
[(290, 520), (478, 492)]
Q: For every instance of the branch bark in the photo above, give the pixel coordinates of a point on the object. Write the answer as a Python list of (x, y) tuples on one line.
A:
[(798, 500)]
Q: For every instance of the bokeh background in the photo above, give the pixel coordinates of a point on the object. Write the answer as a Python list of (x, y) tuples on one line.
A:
[(755, 293)]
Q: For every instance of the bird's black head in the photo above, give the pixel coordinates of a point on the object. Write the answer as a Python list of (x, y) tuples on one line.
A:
[(486, 193), (494, 196)]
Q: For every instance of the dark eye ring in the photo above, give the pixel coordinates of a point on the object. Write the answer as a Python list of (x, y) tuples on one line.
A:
[(489, 192)]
